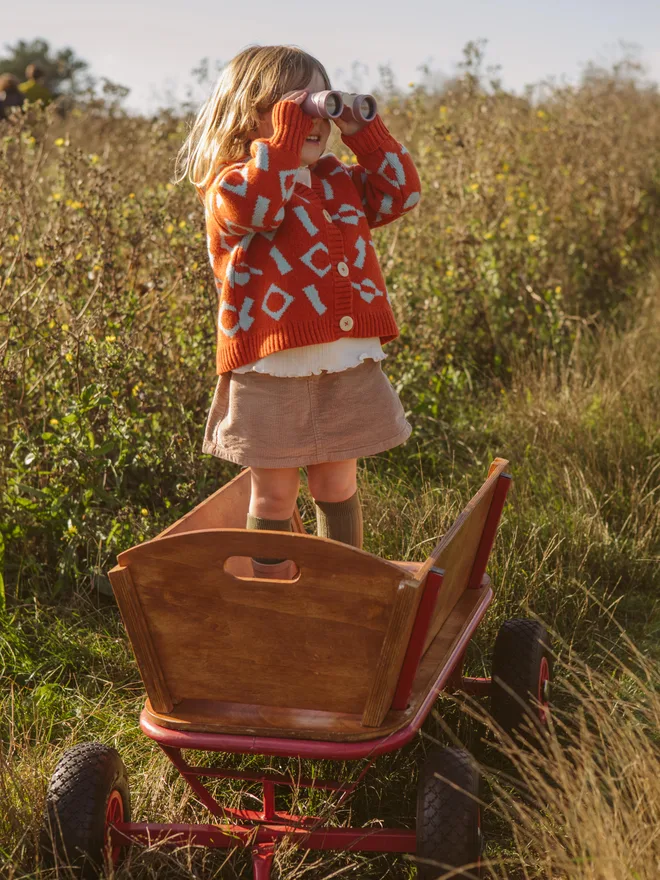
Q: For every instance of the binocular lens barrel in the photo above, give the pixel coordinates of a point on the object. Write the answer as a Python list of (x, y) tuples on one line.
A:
[(364, 107), (331, 104), (327, 105)]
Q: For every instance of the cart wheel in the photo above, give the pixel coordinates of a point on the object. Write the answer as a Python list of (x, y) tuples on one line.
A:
[(448, 817), (87, 794), (522, 672)]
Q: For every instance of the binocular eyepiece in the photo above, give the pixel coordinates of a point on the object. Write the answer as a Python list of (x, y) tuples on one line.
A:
[(332, 105)]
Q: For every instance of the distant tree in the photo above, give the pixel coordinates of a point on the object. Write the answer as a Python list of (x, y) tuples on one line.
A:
[(65, 73)]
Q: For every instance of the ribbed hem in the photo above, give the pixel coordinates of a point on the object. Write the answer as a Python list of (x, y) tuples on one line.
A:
[(292, 125), (215, 449), (234, 353), (370, 138), (270, 525), (350, 505)]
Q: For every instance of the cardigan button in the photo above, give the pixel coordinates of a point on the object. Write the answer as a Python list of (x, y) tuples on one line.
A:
[(327, 215), (346, 323), (342, 268)]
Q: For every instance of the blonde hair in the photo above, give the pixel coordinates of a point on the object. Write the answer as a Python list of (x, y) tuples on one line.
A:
[(250, 84)]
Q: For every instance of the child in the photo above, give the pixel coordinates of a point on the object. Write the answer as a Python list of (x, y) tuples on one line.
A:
[(303, 308)]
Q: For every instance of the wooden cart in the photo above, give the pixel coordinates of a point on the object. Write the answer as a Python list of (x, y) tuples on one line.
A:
[(343, 662)]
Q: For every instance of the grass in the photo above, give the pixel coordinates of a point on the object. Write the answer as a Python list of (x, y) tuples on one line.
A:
[(534, 339)]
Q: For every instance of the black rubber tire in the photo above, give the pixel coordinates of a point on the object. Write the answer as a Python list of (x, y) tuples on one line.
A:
[(520, 650), (449, 820), (74, 825)]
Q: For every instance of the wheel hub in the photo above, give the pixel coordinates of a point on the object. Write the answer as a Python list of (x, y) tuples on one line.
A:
[(114, 813)]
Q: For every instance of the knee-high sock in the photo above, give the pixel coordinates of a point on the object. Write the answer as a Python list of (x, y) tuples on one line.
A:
[(340, 520), (274, 525)]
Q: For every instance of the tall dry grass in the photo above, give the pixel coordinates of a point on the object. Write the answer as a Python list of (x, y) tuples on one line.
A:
[(528, 304)]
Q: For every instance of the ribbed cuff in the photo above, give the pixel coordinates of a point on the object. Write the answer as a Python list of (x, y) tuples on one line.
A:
[(269, 525), (368, 139), (338, 508), (291, 125)]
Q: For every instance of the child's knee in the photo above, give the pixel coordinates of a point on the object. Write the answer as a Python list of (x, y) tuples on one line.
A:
[(274, 492), (332, 481)]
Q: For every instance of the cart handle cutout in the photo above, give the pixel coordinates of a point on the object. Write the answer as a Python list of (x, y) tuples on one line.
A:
[(232, 564)]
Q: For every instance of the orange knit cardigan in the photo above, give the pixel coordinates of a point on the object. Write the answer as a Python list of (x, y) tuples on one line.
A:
[(296, 266)]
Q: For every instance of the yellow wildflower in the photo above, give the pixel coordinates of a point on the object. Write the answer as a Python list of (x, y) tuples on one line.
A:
[(531, 238), (56, 197), (443, 110), (558, 289), (39, 262), (474, 187), (59, 142), (79, 255), (68, 357), (51, 324), (182, 224), (131, 195), (111, 338), (449, 273), (65, 328), (54, 422), (94, 158), (169, 186), (169, 229), (71, 529), (541, 114), (488, 236), (144, 511)]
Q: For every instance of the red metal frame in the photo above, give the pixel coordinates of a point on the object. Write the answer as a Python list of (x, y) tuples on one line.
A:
[(490, 528), (432, 584)]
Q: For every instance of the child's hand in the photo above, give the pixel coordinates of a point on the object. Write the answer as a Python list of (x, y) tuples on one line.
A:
[(350, 127), (297, 97)]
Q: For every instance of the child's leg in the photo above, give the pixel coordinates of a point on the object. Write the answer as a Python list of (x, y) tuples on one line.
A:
[(333, 485), (272, 502)]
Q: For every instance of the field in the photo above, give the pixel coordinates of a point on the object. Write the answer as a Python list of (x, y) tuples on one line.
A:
[(527, 289)]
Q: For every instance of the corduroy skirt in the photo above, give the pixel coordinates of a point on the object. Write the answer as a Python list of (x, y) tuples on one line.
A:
[(258, 420)]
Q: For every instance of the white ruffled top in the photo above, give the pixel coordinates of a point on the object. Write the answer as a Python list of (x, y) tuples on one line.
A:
[(310, 360)]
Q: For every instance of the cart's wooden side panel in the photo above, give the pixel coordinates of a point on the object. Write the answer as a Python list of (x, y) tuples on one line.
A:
[(225, 509), (138, 632), (311, 643), (456, 551), (257, 720)]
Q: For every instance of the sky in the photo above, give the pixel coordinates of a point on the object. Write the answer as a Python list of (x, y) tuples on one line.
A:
[(152, 45)]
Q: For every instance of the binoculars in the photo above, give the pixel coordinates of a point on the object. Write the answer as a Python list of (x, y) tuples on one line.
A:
[(332, 105)]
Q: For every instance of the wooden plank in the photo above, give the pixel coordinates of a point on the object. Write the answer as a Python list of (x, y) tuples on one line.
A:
[(455, 552), (255, 720), (225, 509), (392, 653), (310, 643), (132, 614)]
